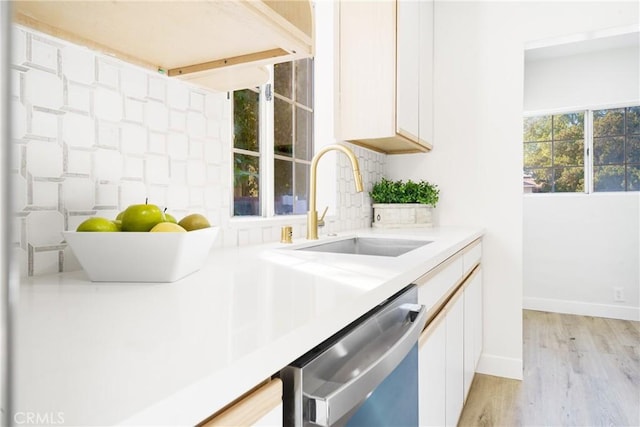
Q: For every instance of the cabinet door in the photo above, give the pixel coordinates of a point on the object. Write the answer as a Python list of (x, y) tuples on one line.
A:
[(472, 328), (431, 373), (378, 85), (367, 70), (436, 285), (478, 315), (425, 108), (408, 58), (454, 369)]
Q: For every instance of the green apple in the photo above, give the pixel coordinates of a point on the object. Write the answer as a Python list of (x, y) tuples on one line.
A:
[(169, 217), (170, 227), (194, 222), (141, 217), (97, 223)]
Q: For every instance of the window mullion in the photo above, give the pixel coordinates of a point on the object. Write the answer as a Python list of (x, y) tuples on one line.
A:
[(267, 150), (294, 154), (588, 151), (553, 154)]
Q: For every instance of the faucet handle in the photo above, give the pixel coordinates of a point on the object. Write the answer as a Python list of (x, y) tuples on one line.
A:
[(321, 219)]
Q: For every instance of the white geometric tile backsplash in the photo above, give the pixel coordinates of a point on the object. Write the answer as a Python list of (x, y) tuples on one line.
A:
[(93, 135)]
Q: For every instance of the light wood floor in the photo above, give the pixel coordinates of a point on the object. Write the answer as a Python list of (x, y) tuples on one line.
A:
[(578, 371)]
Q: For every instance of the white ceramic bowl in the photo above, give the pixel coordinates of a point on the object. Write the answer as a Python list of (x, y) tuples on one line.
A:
[(141, 257)]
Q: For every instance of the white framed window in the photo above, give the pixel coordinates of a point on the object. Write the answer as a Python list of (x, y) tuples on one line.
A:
[(273, 143), (591, 150)]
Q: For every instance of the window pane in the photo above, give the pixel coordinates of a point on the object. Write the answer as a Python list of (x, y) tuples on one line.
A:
[(302, 189), (633, 149), (304, 134), (568, 126), (568, 153), (633, 178), (537, 154), (282, 79), (570, 179), (607, 151), (633, 120), (303, 82), (608, 122), (283, 187), (246, 184), (608, 178), (537, 128), (283, 127), (245, 119), (538, 180)]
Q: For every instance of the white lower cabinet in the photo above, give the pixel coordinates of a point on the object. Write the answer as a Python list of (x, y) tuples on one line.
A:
[(432, 360), (451, 344), (440, 366), (472, 327), (454, 371)]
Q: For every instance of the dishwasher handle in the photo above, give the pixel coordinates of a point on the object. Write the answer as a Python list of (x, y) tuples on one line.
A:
[(326, 410)]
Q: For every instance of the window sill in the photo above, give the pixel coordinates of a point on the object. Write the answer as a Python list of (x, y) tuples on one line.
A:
[(595, 194), (248, 221)]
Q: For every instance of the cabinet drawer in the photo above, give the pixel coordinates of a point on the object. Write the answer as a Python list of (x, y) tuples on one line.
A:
[(472, 256), (435, 286)]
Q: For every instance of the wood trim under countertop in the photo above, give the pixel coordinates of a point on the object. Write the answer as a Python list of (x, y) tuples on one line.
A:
[(454, 292), (444, 264), (442, 311), (445, 303), (249, 408)]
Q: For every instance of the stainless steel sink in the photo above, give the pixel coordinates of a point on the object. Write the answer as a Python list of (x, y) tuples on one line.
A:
[(368, 246)]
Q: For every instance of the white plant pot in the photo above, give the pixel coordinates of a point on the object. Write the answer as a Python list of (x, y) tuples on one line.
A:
[(402, 215)]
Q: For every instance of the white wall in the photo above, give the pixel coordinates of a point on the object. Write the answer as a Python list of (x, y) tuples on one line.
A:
[(589, 79), (477, 155), (578, 248)]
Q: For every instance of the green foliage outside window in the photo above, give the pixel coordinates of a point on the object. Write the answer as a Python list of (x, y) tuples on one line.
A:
[(554, 152), (554, 159), (246, 165), (616, 149)]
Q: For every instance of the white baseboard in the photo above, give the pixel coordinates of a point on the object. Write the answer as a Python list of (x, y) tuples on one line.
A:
[(499, 366), (582, 308)]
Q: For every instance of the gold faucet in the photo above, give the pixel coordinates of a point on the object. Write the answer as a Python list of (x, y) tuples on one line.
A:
[(312, 215)]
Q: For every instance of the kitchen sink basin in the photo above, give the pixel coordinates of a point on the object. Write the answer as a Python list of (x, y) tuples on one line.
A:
[(368, 246)]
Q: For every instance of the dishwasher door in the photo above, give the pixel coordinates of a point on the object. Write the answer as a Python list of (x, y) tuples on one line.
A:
[(366, 375)]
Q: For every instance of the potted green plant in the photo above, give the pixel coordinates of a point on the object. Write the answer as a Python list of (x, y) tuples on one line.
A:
[(399, 204)]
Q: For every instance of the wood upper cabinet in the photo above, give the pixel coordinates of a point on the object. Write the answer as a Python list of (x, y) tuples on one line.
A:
[(385, 75), (425, 98), (222, 45)]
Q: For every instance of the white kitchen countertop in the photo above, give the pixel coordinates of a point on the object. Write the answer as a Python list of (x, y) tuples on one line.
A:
[(174, 353)]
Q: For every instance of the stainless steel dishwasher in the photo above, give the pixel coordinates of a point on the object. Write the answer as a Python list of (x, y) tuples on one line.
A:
[(365, 375)]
